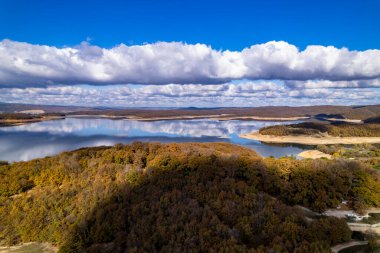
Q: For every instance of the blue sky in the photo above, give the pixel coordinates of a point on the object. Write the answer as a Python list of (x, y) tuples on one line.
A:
[(190, 53), (223, 24)]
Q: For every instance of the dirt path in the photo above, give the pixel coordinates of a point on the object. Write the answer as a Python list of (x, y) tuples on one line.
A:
[(362, 227), (341, 246), (31, 247)]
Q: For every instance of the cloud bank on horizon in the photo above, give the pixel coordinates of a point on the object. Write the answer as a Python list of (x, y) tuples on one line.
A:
[(180, 74), (245, 94), (27, 65)]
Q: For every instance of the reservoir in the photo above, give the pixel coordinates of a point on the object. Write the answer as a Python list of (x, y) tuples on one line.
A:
[(47, 138)]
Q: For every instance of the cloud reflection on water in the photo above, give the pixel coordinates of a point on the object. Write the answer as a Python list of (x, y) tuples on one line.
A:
[(41, 139)]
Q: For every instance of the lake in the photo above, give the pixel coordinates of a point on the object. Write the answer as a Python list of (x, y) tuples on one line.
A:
[(25, 142)]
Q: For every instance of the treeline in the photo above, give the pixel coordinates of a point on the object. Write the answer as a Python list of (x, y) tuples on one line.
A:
[(315, 128), (372, 120), (365, 153), (320, 184), (18, 116), (355, 130), (179, 198), (26, 116), (364, 150)]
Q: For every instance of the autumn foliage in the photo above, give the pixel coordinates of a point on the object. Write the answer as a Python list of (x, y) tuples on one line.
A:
[(193, 197)]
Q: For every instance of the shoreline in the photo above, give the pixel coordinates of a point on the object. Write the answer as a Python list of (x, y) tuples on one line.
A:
[(309, 140), (19, 122), (258, 118), (357, 121), (313, 154), (221, 117)]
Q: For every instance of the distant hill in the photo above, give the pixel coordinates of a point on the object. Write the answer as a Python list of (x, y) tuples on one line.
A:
[(201, 108), (14, 108), (348, 112)]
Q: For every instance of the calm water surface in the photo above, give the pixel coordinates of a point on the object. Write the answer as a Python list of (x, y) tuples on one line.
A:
[(52, 137)]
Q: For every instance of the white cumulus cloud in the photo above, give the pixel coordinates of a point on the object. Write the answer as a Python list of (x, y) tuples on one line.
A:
[(27, 65), (314, 84)]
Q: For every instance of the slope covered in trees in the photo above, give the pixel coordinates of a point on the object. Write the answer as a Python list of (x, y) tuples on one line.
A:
[(314, 128), (178, 198)]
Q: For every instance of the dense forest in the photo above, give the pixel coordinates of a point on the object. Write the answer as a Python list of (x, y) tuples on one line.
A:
[(178, 198), (316, 128)]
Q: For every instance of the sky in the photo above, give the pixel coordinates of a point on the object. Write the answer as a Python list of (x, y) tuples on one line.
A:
[(190, 53)]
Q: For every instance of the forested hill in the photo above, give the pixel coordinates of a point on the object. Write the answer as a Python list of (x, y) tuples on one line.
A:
[(371, 128), (203, 197)]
